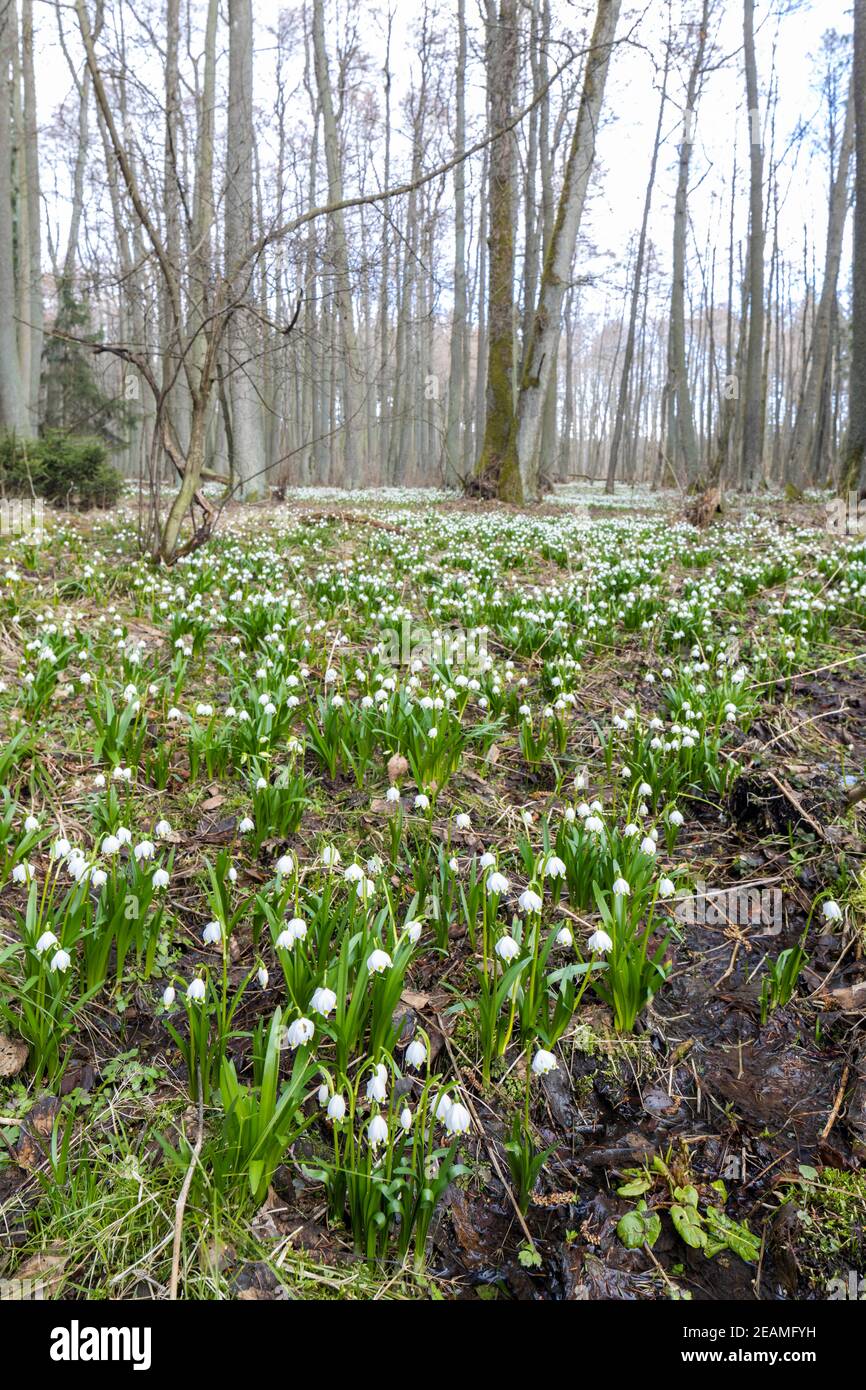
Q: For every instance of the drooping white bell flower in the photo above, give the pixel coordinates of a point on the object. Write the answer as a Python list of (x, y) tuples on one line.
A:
[(544, 1062), (300, 1032), (600, 942)]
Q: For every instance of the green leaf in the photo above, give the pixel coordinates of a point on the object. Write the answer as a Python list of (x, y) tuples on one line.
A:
[(689, 1225), (639, 1227), (636, 1188)]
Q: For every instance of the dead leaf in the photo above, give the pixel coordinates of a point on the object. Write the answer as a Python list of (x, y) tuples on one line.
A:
[(397, 767), (13, 1055), (45, 1268), (850, 998), (212, 803), (415, 1001)]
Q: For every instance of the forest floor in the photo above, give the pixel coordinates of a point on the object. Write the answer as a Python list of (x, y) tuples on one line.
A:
[(416, 1070)]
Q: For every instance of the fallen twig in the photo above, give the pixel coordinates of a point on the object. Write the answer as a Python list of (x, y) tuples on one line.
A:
[(180, 1205), (837, 1105)]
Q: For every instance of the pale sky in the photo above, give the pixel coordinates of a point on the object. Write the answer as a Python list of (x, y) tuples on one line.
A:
[(630, 116)]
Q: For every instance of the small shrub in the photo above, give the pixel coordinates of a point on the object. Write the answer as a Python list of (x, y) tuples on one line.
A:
[(68, 470)]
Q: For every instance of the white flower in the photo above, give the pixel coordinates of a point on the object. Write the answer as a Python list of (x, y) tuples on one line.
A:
[(196, 990), (378, 962), (353, 873), (297, 928), (61, 961), (377, 1131), (553, 867), (262, 976), (284, 865), (323, 1095), (487, 860), (212, 934), (145, 850), (246, 825), (377, 1086), (594, 825), (21, 873), (160, 878), (336, 1108), (31, 823), (543, 1062), (413, 931), (416, 1054), (168, 996), (667, 888), (564, 937), (497, 883), (529, 901), (442, 1108), (392, 794), (110, 845), (831, 911), (462, 821), (648, 845), (45, 942), (323, 1001), (422, 802), (330, 856), (300, 1032), (458, 1120), (600, 941), (76, 866), (162, 830), (507, 948), (60, 849), (676, 817), (406, 1118), (621, 888), (98, 877)]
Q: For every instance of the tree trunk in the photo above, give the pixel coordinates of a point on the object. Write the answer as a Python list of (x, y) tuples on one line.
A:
[(454, 456), (808, 430), (242, 337), (501, 82), (622, 403), (14, 414), (753, 402), (520, 467), (853, 473), (352, 406)]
